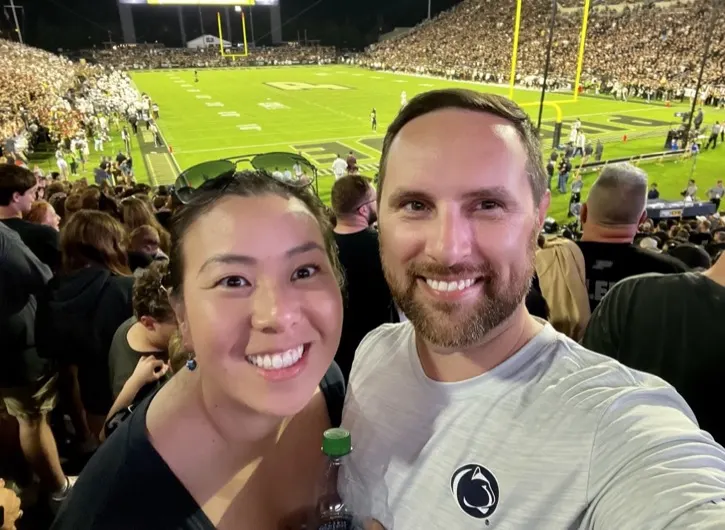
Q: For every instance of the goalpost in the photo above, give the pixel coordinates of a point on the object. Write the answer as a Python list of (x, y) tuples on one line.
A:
[(221, 37), (580, 55)]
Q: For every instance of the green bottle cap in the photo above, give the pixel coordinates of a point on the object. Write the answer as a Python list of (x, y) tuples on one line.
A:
[(336, 442)]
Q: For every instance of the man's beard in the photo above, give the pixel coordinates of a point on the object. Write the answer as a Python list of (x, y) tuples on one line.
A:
[(449, 324)]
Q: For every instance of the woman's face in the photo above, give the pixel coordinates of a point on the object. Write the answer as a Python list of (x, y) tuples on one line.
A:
[(261, 306), (51, 218)]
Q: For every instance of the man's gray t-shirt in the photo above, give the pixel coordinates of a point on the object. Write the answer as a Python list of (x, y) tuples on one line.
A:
[(556, 437)]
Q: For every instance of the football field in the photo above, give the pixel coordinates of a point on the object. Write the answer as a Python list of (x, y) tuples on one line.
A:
[(323, 111)]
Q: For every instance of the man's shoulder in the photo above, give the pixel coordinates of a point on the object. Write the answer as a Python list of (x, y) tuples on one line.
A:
[(26, 228), (379, 346), (659, 262), (585, 380)]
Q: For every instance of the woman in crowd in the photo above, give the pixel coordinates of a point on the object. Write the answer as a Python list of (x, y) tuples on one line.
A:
[(233, 440), (136, 213), (43, 213), (83, 308)]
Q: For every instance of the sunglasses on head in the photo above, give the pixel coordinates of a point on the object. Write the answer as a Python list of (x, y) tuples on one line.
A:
[(290, 169)]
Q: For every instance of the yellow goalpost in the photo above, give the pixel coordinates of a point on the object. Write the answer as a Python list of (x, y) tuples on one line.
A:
[(580, 56), (221, 38)]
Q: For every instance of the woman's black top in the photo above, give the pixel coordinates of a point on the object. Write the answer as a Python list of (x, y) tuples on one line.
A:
[(128, 486)]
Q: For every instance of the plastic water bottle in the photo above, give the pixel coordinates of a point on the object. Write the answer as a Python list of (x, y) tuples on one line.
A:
[(331, 512)]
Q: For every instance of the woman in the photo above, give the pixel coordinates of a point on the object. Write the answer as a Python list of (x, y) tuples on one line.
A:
[(232, 441), (82, 309), (43, 213), (135, 213)]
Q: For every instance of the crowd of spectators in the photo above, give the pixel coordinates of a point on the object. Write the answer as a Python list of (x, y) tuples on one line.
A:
[(154, 57), (648, 47)]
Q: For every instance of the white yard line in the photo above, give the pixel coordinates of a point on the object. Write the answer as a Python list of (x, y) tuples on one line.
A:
[(298, 142)]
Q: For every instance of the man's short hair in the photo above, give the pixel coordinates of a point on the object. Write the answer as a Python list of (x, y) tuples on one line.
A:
[(14, 179), (618, 197), (463, 99), (348, 194)]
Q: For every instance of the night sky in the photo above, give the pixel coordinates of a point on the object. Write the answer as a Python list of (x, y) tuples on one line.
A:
[(77, 24)]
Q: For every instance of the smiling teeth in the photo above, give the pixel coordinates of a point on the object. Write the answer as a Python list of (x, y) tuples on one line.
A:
[(450, 286), (277, 361)]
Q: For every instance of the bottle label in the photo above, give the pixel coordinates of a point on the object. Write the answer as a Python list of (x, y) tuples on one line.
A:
[(340, 522)]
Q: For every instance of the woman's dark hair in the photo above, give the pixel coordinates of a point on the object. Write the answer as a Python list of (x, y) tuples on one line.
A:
[(245, 184)]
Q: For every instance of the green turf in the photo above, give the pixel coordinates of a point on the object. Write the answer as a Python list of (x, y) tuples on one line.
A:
[(319, 121)]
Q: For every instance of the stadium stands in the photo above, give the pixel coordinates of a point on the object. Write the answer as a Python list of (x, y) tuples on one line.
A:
[(644, 47)]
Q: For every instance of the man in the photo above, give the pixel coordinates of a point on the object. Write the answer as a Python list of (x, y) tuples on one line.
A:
[(374, 120), (714, 132), (18, 187), (610, 220), (27, 382), (368, 302), (564, 170), (653, 194), (715, 194), (598, 151), (339, 167), (351, 162), (475, 414), (690, 192), (670, 326)]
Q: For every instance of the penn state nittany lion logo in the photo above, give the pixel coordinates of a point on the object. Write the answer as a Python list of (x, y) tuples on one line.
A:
[(476, 490)]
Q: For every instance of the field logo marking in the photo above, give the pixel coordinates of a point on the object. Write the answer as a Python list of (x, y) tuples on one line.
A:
[(249, 127), (305, 86), (273, 105), (229, 114)]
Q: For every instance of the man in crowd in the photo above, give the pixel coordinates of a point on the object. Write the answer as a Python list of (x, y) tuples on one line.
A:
[(18, 186), (610, 219), (368, 302), (27, 382), (474, 413), (670, 326)]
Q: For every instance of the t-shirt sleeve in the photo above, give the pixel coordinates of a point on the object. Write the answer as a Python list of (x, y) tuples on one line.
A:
[(652, 467)]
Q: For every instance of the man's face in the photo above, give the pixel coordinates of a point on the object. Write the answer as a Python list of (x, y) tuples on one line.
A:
[(458, 225), (25, 201)]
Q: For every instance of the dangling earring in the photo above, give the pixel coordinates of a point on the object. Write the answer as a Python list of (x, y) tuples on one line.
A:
[(191, 364)]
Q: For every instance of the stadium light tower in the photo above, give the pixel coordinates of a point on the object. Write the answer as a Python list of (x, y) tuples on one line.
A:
[(429, 1), (13, 7)]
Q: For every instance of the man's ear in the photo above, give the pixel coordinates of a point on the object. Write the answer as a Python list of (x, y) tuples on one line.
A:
[(543, 209), (642, 217), (584, 213)]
